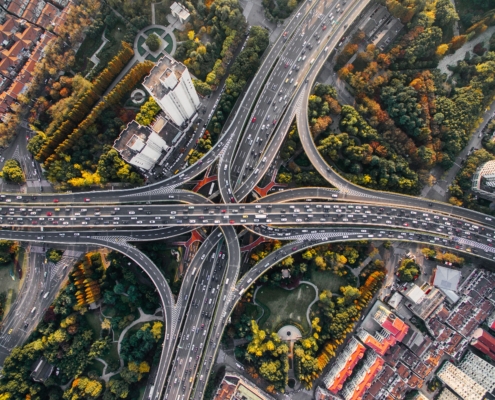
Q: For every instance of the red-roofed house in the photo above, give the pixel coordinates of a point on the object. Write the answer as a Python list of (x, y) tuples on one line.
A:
[(484, 342), (389, 321), (60, 19), (491, 321), (344, 365), (363, 380), (8, 29), (5, 101), (48, 15), (394, 330), (29, 35)]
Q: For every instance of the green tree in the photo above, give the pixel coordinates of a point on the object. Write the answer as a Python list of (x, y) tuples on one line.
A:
[(54, 255), (153, 42), (12, 171), (408, 270)]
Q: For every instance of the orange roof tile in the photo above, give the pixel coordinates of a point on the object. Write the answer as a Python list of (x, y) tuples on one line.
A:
[(351, 362), (15, 89), (15, 7), (48, 15), (365, 384)]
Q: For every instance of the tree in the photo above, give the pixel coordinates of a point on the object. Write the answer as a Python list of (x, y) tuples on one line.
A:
[(54, 255), (350, 293), (12, 171), (7, 249), (445, 13), (153, 42), (408, 270), (148, 111), (119, 388), (202, 87)]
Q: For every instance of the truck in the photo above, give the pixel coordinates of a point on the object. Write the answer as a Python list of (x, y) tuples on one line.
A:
[(260, 216)]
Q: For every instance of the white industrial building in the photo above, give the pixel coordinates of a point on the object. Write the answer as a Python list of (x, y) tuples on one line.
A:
[(170, 84)]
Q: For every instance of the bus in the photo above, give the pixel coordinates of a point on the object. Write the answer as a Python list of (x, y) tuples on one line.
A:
[(211, 189)]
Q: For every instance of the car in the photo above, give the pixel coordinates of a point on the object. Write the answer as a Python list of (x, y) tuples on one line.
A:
[(10, 331), (34, 222), (49, 213), (87, 200), (55, 200), (324, 27), (224, 211), (294, 248), (253, 120), (286, 65), (232, 221)]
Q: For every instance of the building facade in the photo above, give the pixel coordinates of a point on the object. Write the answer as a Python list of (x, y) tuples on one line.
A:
[(170, 84), (464, 386), (479, 370)]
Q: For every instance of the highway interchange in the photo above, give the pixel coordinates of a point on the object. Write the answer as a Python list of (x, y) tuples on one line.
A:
[(211, 287)]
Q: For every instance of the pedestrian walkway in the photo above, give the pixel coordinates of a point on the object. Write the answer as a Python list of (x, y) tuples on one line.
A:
[(137, 58), (94, 58), (459, 55), (142, 318)]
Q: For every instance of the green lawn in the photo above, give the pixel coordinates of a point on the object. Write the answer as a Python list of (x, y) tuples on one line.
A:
[(112, 357), (158, 31), (93, 321), (252, 311), (109, 311), (327, 280), (285, 306), (111, 49), (135, 328), (170, 43), (161, 11), (87, 49), (96, 366), (141, 49)]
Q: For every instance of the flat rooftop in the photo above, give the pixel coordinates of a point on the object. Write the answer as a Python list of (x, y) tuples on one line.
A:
[(161, 71)]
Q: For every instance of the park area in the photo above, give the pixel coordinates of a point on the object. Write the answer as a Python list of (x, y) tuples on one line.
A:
[(281, 306), (327, 280)]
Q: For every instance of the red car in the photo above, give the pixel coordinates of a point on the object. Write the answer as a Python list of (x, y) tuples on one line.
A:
[(55, 200), (232, 221), (87, 200), (34, 222), (224, 211), (286, 65), (49, 213), (324, 27), (253, 120)]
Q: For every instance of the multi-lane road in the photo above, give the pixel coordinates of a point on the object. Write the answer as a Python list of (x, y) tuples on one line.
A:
[(247, 148)]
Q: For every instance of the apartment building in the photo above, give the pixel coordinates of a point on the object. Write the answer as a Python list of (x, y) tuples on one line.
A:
[(170, 84), (460, 383)]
